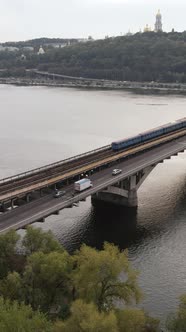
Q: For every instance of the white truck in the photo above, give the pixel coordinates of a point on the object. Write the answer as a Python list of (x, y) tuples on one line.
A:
[(82, 184)]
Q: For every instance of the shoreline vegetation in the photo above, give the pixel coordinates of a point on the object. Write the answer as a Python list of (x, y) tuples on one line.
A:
[(44, 288), (147, 63), (136, 87)]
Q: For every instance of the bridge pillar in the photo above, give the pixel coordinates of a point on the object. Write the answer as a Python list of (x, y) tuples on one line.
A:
[(56, 212), (41, 220), (12, 203), (27, 198), (123, 192)]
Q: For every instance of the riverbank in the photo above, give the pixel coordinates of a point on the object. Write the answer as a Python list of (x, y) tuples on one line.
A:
[(136, 87)]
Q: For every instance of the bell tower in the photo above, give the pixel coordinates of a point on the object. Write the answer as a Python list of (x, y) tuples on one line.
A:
[(158, 23)]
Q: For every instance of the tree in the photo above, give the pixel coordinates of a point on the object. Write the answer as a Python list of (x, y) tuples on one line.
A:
[(131, 320), (102, 277), (50, 281), (38, 240), (86, 318), (46, 280), (11, 287), (177, 322), (16, 317), (135, 320), (8, 260)]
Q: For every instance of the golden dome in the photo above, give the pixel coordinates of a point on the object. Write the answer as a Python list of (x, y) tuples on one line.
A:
[(147, 28)]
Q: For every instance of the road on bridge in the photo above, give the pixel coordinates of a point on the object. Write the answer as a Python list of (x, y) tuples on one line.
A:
[(45, 206)]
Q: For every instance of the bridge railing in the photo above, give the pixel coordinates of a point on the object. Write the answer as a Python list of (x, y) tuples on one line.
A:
[(49, 166)]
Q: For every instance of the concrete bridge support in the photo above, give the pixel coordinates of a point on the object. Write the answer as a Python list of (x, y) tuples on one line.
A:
[(123, 192), (13, 203), (27, 198)]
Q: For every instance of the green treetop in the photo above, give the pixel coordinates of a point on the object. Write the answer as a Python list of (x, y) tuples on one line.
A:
[(104, 277)]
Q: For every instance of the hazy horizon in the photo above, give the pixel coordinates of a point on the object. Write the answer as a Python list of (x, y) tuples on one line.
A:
[(23, 20)]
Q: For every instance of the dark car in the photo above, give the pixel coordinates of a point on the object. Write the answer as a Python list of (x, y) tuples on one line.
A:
[(59, 193)]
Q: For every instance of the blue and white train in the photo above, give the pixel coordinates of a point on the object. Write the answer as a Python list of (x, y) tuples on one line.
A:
[(149, 135)]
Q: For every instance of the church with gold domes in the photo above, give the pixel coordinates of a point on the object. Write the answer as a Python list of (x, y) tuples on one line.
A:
[(157, 26)]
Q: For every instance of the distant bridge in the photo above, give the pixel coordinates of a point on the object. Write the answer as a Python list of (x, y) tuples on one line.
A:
[(106, 83), (60, 76), (37, 186)]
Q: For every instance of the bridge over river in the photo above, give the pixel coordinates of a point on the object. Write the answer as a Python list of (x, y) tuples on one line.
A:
[(29, 197)]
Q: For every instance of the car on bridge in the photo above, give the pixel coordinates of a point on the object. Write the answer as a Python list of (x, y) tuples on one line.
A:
[(59, 193), (116, 171)]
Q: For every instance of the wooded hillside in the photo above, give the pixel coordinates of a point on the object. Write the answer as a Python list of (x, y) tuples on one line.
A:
[(141, 57)]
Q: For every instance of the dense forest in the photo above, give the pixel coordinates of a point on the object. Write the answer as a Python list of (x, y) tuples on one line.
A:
[(142, 57)]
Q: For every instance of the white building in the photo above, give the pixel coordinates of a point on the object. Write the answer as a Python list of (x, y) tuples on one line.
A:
[(41, 51), (28, 48), (8, 48)]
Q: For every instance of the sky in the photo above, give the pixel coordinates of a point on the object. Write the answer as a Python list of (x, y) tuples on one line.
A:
[(28, 19)]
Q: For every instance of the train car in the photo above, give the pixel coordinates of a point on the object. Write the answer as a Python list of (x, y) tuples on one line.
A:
[(149, 135), (121, 144)]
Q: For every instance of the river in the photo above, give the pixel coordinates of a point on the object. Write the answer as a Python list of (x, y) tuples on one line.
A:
[(40, 125)]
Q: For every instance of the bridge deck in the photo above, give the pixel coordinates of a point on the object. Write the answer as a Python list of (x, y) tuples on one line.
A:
[(75, 167), (45, 206)]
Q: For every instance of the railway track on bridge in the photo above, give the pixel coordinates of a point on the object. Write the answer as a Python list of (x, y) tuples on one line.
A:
[(48, 175)]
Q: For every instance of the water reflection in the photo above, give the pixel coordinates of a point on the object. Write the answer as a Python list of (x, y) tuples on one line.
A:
[(112, 224), (125, 227)]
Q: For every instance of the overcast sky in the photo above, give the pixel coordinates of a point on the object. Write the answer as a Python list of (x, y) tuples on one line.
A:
[(27, 19)]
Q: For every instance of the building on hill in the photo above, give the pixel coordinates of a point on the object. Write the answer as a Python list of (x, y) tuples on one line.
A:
[(9, 48), (28, 48), (129, 33), (41, 51), (147, 28), (23, 57), (56, 45), (83, 40), (158, 23)]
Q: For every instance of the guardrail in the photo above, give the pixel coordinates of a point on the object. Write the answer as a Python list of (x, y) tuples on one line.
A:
[(47, 167)]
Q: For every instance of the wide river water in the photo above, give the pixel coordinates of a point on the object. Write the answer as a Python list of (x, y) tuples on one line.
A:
[(40, 125)]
